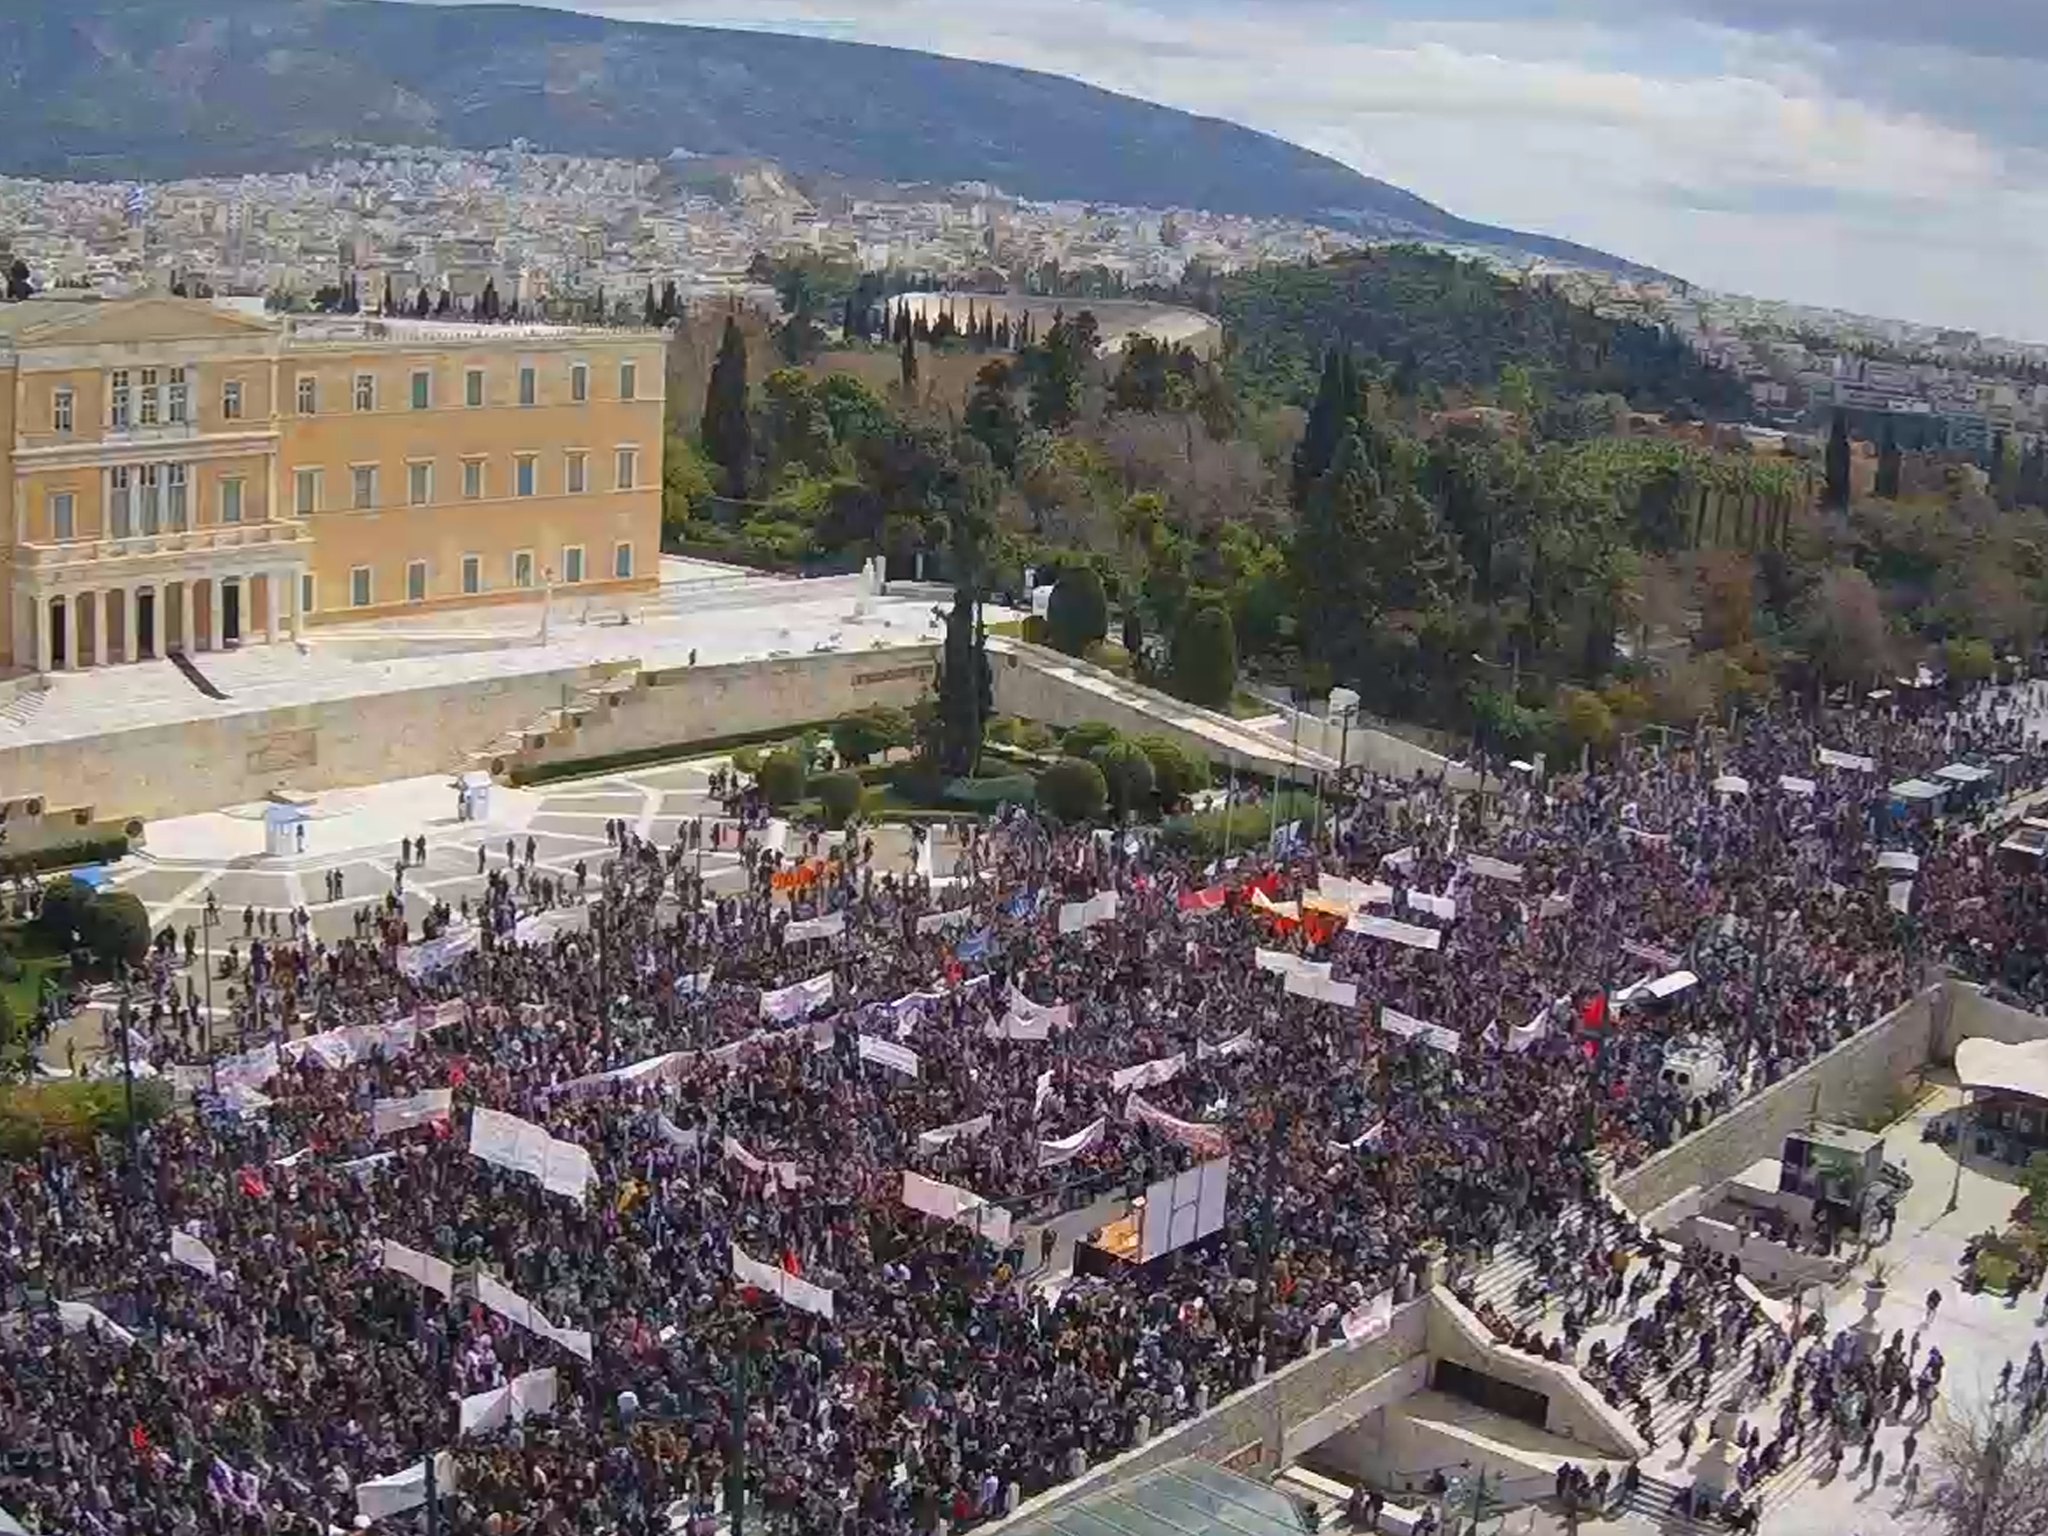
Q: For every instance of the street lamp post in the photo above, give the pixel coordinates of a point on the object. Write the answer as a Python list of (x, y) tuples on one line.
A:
[(209, 919)]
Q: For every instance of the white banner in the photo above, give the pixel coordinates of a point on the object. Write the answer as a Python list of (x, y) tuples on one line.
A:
[(1442, 908), (1054, 1016), (1041, 1091), (1852, 761), (1371, 1138), (1077, 915), (1066, 1148), (435, 1274), (494, 1295), (934, 922), (790, 1289), (1400, 858), (960, 1206), (1407, 934), (1320, 988), (1235, 1045), (1353, 894), (1899, 896), (1494, 869), (1366, 1323), (945, 1135), (401, 1491), (675, 1135), (193, 1254), (830, 926), (887, 1053), (389, 1116), (775, 836), (252, 1069), (1650, 954), (799, 1001), (83, 1317), (1015, 1027), (1395, 1022), (1148, 1074), (562, 1167), (1208, 1140)]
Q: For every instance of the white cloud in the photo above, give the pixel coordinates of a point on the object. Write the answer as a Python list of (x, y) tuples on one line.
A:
[(1731, 156)]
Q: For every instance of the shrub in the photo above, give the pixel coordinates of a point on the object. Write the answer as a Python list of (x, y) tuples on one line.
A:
[(1078, 614), (1205, 658), (864, 734), (1036, 736), (1089, 738), (839, 796), (1002, 731), (62, 914), (1203, 835), (988, 794), (1073, 789), (34, 1115), (1127, 772), (1177, 772), (94, 850), (782, 777), (117, 929), (747, 760)]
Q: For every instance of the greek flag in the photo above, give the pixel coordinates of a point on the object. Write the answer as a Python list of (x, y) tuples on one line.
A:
[(1023, 904), (976, 946)]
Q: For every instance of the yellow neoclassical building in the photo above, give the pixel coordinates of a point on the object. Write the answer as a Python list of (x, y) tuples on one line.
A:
[(183, 477)]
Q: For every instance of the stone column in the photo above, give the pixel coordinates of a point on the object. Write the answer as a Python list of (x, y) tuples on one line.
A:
[(39, 640), (273, 594), (185, 617), (296, 581), (114, 616), (216, 589), (82, 619)]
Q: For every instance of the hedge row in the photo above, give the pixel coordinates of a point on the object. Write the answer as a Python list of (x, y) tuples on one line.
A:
[(33, 1115), (94, 850)]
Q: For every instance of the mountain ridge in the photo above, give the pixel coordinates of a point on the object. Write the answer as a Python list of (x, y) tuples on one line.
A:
[(162, 89)]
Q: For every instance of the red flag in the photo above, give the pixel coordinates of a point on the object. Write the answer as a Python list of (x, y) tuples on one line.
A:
[(1593, 1011), (791, 1264), (138, 1437), (458, 1073), (1209, 900), (252, 1184)]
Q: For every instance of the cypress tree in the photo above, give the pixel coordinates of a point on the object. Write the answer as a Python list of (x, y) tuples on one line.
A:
[(1835, 492), (1336, 394), (1889, 464), (909, 365), (650, 312), (726, 429)]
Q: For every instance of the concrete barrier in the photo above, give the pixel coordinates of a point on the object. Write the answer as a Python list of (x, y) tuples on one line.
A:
[(1976, 1015)]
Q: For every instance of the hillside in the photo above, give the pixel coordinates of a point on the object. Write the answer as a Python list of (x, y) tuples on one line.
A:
[(1438, 320), (159, 89)]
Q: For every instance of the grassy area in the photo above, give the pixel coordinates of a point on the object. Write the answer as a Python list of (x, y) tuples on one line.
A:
[(38, 958)]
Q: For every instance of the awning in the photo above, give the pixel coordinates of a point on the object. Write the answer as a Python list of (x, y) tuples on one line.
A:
[(2030, 840), (2000, 1068), (1918, 789), (1964, 773)]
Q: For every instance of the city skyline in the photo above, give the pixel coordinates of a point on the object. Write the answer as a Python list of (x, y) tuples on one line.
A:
[(1765, 150)]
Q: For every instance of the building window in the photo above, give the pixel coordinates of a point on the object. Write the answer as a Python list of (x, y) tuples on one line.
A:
[(176, 482), (306, 492), (422, 389), (359, 586), (629, 381), (529, 390), (472, 575), (622, 562), (366, 391), (121, 501), (178, 400), (473, 388), (627, 468), (62, 403), (63, 516), (522, 568), (472, 479), (309, 395), (576, 477), (231, 499), (416, 582), (572, 563), (305, 593), (419, 484), (526, 472), (149, 485), (363, 487), (231, 400), (120, 402), (579, 382), (150, 412)]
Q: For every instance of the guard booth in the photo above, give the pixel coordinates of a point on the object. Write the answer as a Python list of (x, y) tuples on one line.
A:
[(472, 796), (284, 820), (1836, 1167)]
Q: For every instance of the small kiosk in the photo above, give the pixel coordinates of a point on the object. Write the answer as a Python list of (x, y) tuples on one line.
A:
[(472, 795), (284, 825)]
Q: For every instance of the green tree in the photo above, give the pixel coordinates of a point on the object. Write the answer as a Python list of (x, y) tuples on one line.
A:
[(62, 912), (908, 364), (960, 721), (1583, 721), (1890, 464), (1968, 661), (782, 777), (1205, 657), (1127, 774), (1845, 627), (1177, 772), (992, 417), (794, 432), (1835, 493), (1073, 790), (839, 796), (1335, 406), (1078, 614), (116, 929), (727, 429), (1088, 738), (863, 734)]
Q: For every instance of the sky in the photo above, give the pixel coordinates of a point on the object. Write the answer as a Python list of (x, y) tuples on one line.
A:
[(1883, 156)]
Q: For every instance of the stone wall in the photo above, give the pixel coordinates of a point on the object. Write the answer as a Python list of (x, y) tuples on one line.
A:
[(1973, 1015), (203, 764), (1855, 1079), (1576, 1412), (680, 705)]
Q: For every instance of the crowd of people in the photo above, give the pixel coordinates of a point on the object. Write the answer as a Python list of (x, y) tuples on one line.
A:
[(949, 1379)]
